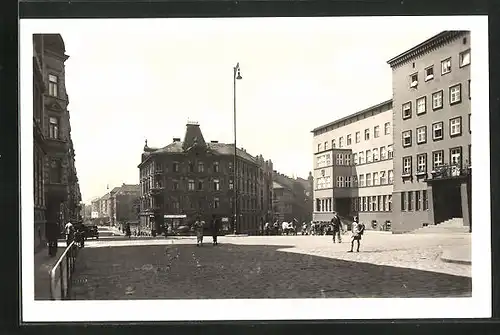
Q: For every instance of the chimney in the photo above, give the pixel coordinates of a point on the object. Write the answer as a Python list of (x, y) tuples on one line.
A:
[(177, 139), (214, 141)]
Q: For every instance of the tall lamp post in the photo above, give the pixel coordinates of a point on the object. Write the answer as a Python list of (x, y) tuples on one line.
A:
[(236, 76)]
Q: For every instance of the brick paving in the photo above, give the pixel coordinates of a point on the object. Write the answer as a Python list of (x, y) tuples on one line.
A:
[(271, 267)]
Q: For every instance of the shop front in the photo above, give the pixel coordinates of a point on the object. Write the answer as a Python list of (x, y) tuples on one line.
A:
[(174, 224)]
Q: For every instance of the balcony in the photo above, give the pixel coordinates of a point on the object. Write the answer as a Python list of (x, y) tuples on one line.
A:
[(158, 171), (157, 189), (454, 171)]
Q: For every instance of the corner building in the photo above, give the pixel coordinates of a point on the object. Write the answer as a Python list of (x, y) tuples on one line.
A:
[(353, 166), (194, 177), (432, 136)]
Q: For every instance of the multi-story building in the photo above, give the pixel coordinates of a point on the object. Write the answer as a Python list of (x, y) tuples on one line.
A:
[(194, 177), (57, 193), (96, 208), (353, 166), (292, 198), (125, 203), (432, 141)]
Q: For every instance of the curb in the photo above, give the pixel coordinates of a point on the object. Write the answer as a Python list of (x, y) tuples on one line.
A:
[(455, 261)]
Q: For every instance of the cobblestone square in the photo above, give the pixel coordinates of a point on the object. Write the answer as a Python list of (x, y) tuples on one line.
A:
[(270, 267)]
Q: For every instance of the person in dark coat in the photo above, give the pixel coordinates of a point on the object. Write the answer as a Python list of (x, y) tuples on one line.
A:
[(215, 229), (52, 233), (336, 226), (128, 232)]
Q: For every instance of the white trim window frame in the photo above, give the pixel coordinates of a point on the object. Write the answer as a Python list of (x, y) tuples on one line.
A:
[(406, 166), (422, 135), (437, 100), (421, 105), (437, 159), (446, 66), (406, 110), (422, 163), (429, 73), (456, 126), (437, 131), (406, 138)]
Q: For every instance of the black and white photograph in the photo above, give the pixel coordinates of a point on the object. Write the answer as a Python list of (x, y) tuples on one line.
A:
[(255, 168)]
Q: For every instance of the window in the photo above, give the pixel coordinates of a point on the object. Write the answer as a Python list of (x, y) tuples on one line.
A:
[(201, 167), (407, 166), (368, 179), (319, 147), (418, 200), (358, 137), (375, 155), (368, 155), (326, 145), (53, 128), (410, 200), (216, 167), (216, 185), (361, 180), (53, 85), (340, 181), (387, 128), (406, 136), (365, 204), (333, 144), (389, 203), (340, 159), (383, 153), (176, 205), (429, 73), (200, 184), (425, 200), (456, 156), (376, 131), (216, 203), (348, 159), (191, 167), (403, 201), (456, 126), (422, 163), (373, 203), (55, 171), (361, 157), (348, 181), (406, 110), (414, 80), (175, 185), (320, 161), (349, 139), (375, 178), (437, 159), (464, 58), (422, 135), (328, 160), (230, 166), (437, 131), (341, 142), (437, 100), (446, 66), (190, 185), (355, 158), (455, 94), (390, 152), (354, 181), (469, 88), (421, 105), (383, 181), (367, 134), (175, 167)]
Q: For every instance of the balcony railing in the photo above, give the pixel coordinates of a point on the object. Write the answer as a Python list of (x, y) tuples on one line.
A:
[(158, 171), (451, 171)]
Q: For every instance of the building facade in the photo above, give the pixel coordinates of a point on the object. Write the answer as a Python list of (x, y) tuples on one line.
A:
[(432, 144), (353, 166), (292, 198), (125, 203), (56, 188), (194, 177)]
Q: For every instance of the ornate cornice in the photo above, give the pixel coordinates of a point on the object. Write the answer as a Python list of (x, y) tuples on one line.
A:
[(427, 46)]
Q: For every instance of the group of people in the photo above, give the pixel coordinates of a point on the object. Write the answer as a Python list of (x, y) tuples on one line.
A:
[(357, 230), (76, 234), (199, 227)]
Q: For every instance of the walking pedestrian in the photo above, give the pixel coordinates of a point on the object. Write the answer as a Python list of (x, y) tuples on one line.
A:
[(336, 227), (357, 231), (215, 229), (69, 230), (198, 226), (128, 232)]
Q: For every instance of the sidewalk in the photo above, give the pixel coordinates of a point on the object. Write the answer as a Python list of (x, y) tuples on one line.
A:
[(457, 255), (43, 264)]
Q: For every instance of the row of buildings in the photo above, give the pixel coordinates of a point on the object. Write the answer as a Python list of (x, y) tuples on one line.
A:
[(117, 207), (196, 178), (56, 189), (406, 160)]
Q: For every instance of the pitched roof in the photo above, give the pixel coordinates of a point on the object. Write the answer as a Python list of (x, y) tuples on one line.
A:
[(131, 188)]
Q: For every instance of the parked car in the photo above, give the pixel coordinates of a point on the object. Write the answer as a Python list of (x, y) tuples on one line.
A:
[(91, 232)]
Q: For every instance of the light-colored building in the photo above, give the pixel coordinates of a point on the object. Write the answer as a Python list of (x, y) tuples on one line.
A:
[(431, 95), (353, 167)]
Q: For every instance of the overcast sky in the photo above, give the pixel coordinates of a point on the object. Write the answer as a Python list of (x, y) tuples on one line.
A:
[(129, 81)]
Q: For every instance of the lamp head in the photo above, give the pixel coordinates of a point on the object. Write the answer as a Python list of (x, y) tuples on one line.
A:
[(238, 75)]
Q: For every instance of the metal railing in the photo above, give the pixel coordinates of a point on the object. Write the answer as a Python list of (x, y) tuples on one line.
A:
[(61, 274)]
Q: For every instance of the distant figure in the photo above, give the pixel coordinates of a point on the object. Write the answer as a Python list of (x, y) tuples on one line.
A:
[(357, 231), (128, 232), (336, 227), (198, 227), (52, 233), (69, 230), (267, 228), (215, 225)]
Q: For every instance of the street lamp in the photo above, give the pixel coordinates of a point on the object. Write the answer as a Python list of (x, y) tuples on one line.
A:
[(236, 76)]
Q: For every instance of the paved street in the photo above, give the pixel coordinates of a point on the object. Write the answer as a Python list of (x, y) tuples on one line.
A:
[(271, 267)]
